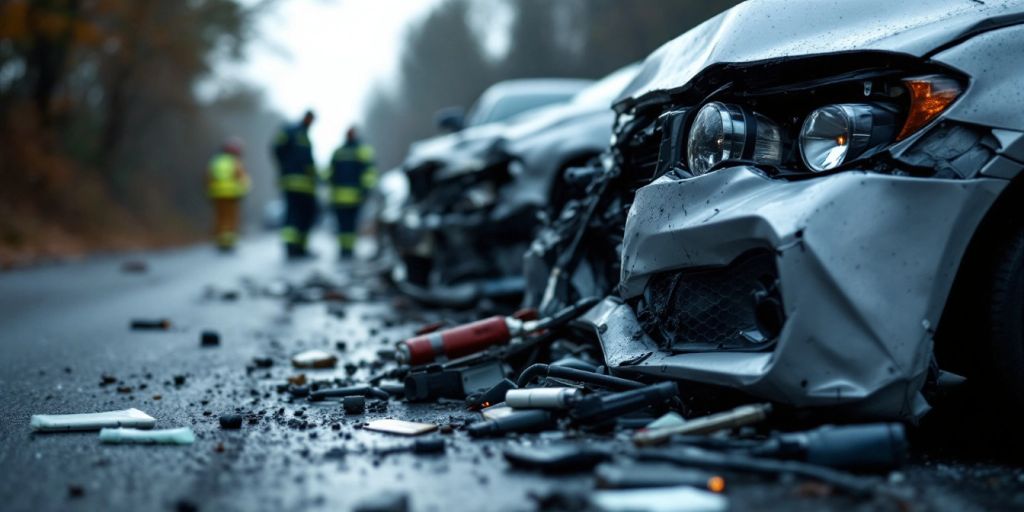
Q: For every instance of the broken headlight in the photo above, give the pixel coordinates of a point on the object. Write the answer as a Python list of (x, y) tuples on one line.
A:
[(836, 134), (725, 132)]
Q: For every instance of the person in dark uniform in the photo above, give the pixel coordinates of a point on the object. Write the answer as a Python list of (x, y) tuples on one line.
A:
[(294, 156), (351, 176)]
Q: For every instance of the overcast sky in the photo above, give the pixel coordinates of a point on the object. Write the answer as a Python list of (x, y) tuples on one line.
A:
[(326, 55)]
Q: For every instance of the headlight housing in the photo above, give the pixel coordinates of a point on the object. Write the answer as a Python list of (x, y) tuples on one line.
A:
[(723, 132), (835, 134)]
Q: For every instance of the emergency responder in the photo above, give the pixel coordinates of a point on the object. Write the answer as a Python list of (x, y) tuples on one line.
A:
[(294, 157), (351, 176), (227, 183)]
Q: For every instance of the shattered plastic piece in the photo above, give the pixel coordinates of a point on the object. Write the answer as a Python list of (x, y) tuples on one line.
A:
[(354, 404), (557, 458), (738, 417), (385, 502), (497, 411), (668, 499), (151, 325), (92, 421), (636, 475), (263, 362), (182, 435), (870, 447), (492, 396), (542, 398), (361, 390), (534, 420), (231, 421), (297, 380), (314, 359), (134, 267), (670, 419), (419, 447), (405, 428), (209, 339), (599, 408)]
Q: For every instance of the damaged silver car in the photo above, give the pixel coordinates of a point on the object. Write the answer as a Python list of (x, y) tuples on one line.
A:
[(838, 189)]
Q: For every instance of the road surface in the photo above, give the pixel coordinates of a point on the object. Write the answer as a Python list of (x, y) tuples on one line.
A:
[(63, 327)]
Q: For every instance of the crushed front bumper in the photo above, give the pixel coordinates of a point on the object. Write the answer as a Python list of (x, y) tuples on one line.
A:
[(864, 264)]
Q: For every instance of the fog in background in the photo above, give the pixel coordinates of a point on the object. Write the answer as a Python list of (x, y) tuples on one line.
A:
[(110, 109)]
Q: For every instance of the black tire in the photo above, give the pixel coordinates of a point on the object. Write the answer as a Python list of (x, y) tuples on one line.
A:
[(1006, 316)]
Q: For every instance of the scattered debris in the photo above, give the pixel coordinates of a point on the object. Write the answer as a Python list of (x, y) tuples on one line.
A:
[(667, 499), (231, 421), (91, 421), (134, 267), (418, 447), (405, 428), (633, 475), (209, 339), (354, 404), (182, 435), (162, 324), (519, 421), (314, 359), (179, 380), (738, 417), (557, 458), (542, 398), (263, 362), (385, 502)]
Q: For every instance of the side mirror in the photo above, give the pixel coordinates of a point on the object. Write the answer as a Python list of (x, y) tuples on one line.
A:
[(450, 119)]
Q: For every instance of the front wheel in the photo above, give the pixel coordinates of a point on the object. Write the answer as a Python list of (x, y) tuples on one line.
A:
[(1006, 316)]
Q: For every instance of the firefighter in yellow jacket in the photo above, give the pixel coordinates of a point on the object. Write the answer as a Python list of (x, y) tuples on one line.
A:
[(351, 176), (227, 183)]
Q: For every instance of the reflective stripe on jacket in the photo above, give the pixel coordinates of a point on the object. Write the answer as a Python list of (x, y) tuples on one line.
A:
[(226, 177), (351, 174), (294, 157)]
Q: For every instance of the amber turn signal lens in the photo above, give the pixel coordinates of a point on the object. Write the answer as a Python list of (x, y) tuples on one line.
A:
[(716, 484), (929, 96)]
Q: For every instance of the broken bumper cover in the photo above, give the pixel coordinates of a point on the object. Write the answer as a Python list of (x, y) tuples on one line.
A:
[(864, 264)]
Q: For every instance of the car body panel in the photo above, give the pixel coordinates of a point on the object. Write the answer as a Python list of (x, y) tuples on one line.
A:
[(760, 30), (865, 263)]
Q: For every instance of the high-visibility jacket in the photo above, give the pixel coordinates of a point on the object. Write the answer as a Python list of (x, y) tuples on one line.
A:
[(294, 157), (351, 174), (226, 177)]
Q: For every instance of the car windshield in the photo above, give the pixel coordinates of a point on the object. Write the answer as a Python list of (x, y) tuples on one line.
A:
[(607, 89), (508, 106)]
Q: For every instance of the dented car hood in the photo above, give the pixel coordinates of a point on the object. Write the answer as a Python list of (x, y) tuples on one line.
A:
[(760, 30)]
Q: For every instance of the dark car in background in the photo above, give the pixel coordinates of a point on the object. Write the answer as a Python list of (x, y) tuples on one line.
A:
[(473, 209), (834, 212)]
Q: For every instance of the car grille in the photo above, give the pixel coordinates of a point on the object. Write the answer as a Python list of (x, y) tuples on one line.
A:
[(736, 307)]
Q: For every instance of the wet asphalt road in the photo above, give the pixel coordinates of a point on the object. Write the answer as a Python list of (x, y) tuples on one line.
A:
[(63, 327)]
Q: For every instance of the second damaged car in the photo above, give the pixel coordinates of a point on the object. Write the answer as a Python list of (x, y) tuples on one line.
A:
[(838, 198)]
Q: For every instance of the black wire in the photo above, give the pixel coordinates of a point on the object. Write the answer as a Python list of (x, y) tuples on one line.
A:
[(564, 372)]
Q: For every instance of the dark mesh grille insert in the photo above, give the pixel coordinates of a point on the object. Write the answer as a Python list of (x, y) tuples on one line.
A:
[(714, 309)]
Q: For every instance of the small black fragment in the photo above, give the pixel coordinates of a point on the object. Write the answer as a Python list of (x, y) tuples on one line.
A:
[(263, 362), (186, 506), (354, 404), (209, 339), (179, 380), (76, 491), (231, 421), (384, 502)]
